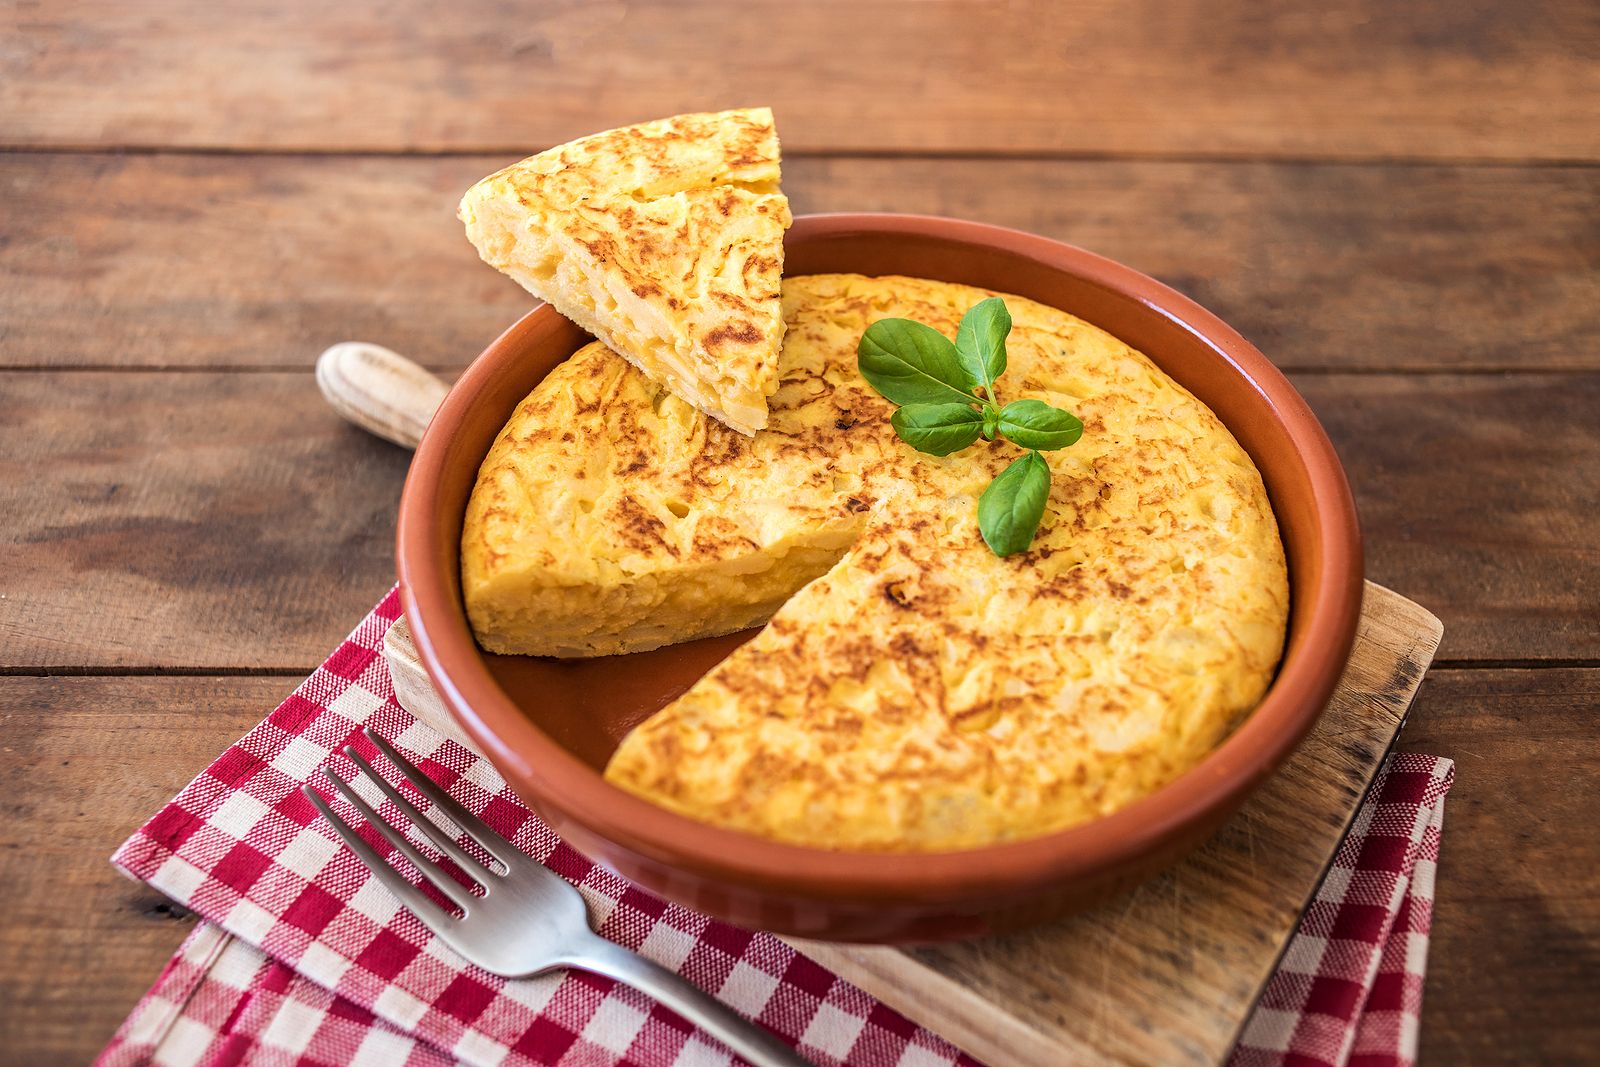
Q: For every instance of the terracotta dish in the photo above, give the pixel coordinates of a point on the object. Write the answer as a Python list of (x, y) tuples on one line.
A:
[(550, 725)]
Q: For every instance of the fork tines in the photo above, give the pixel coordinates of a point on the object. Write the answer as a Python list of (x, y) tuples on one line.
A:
[(476, 829)]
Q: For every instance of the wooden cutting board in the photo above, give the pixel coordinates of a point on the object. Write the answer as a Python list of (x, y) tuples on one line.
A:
[(1167, 973)]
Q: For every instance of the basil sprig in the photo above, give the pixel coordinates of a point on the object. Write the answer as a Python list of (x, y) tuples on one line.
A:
[(945, 397)]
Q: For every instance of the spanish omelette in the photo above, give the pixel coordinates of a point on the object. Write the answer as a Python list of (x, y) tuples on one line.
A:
[(664, 240), (910, 691)]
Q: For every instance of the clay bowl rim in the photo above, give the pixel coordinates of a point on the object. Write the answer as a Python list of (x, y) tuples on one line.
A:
[(532, 760)]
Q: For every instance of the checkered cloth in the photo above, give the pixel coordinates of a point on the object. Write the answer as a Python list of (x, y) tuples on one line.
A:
[(304, 959), (1349, 988)]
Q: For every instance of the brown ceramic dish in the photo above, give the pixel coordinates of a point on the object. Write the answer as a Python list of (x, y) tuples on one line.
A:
[(549, 726)]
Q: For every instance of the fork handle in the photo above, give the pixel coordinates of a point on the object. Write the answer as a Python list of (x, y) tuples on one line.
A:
[(744, 1037)]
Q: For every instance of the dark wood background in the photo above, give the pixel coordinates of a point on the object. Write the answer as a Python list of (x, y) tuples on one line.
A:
[(1399, 203)]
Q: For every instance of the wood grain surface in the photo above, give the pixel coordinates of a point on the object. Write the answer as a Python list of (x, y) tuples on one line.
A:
[(1436, 79), (183, 522), (85, 762), (1167, 972), (1482, 494), (1396, 201), (213, 261), (1517, 867)]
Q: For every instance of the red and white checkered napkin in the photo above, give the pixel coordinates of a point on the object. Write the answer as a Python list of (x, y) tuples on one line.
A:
[(323, 966), (1349, 988), (304, 959)]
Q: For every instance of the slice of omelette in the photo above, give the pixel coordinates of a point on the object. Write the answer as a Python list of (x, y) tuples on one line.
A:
[(665, 241), (911, 691)]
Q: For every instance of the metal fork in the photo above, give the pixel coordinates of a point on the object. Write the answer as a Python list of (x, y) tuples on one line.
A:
[(529, 919)]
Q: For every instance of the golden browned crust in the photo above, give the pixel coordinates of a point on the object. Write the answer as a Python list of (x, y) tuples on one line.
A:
[(665, 240), (920, 693)]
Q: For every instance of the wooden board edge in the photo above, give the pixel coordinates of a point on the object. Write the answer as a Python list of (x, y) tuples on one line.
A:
[(1429, 628)]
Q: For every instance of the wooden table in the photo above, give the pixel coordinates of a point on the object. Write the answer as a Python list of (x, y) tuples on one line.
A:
[(1399, 203)]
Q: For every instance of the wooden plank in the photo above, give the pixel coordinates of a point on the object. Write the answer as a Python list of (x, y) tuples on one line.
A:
[(188, 261), (230, 521), (1480, 497), (85, 761), (1514, 966), (1435, 79), (207, 262), (185, 521), (1168, 972)]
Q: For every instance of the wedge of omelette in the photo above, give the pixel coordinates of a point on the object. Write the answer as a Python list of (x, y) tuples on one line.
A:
[(910, 689), (665, 241)]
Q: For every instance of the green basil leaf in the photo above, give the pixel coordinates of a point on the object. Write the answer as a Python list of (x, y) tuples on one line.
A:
[(1035, 424), (937, 429), (981, 343), (910, 362), (1010, 509)]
